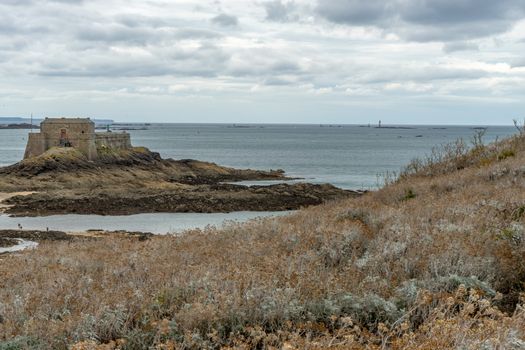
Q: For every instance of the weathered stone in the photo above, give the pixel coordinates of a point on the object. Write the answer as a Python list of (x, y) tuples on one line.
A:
[(78, 133)]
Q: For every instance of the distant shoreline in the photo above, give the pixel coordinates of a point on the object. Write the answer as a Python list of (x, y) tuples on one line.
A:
[(240, 124), (18, 126)]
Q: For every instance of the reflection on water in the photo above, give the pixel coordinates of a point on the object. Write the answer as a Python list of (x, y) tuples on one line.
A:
[(159, 223), (265, 182)]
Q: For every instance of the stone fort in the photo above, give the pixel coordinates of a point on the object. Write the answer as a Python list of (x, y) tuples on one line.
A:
[(74, 132)]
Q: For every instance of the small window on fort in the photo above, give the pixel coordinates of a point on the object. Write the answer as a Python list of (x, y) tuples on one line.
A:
[(82, 131)]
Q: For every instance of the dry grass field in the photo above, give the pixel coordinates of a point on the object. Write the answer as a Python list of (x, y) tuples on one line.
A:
[(434, 260)]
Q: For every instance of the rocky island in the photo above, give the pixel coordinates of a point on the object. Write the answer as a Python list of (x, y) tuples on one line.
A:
[(70, 168)]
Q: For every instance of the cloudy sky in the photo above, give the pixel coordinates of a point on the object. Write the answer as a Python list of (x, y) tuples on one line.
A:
[(308, 61)]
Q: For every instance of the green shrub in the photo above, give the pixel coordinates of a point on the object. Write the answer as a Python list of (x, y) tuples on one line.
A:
[(506, 154), (513, 233), (137, 339), (452, 282), (21, 343), (369, 310), (518, 213), (409, 194)]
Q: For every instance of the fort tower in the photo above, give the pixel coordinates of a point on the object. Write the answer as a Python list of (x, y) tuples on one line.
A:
[(78, 133)]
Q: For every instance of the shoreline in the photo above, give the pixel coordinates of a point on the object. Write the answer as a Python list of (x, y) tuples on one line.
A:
[(16, 241), (157, 223)]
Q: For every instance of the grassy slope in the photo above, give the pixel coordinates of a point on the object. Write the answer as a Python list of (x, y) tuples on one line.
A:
[(427, 262)]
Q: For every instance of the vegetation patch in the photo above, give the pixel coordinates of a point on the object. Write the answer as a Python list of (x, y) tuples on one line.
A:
[(409, 194), (508, 153)]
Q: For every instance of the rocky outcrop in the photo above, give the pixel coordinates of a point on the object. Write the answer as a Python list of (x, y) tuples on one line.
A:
[(196, 199), (139, 181), (69, 161), (34, 235)]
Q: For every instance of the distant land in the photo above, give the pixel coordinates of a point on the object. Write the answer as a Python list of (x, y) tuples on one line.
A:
[(18, 126), (36, 121)]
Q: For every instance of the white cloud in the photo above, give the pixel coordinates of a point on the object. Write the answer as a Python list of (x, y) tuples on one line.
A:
[(305, 55)]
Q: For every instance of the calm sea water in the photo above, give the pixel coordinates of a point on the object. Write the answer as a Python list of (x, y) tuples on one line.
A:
[(347, 156)]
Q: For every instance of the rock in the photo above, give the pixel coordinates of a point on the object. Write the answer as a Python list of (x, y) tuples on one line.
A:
[(206, 199), (139, 181), (35, 235)]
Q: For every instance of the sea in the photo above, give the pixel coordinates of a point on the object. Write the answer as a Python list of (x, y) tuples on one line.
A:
[(348, 156)]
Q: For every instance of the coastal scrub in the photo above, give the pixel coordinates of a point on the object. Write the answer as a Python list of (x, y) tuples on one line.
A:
[(443, 269)]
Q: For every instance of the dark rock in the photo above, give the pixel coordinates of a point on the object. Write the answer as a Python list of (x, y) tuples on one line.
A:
[(35, 235), (203, 199)]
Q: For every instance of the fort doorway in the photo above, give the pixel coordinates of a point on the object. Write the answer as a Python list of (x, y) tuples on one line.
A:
[(64, 140)]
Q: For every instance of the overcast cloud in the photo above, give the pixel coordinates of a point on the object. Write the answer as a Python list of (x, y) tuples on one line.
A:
[(333, 61)]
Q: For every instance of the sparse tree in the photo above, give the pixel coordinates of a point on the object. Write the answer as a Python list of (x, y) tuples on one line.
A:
[(477, 139), (520, 126)]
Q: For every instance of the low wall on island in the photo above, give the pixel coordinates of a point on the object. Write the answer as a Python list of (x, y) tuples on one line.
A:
[(36, 145), (112, 140)]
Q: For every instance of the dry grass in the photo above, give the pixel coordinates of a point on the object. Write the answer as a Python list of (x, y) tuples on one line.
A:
[(434, 260)]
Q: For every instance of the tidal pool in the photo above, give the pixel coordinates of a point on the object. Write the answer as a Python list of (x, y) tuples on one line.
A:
[(158, 223)]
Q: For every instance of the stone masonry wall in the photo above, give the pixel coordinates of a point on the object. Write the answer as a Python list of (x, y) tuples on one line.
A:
[(112, 140), (78, 133), (36, 145)]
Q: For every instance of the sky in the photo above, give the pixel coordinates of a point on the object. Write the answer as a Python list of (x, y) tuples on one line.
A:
[(265, 61)]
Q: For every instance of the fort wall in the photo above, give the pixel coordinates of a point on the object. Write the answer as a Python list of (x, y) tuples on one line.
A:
[(113, 140), (78, 133), (36, 145)]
